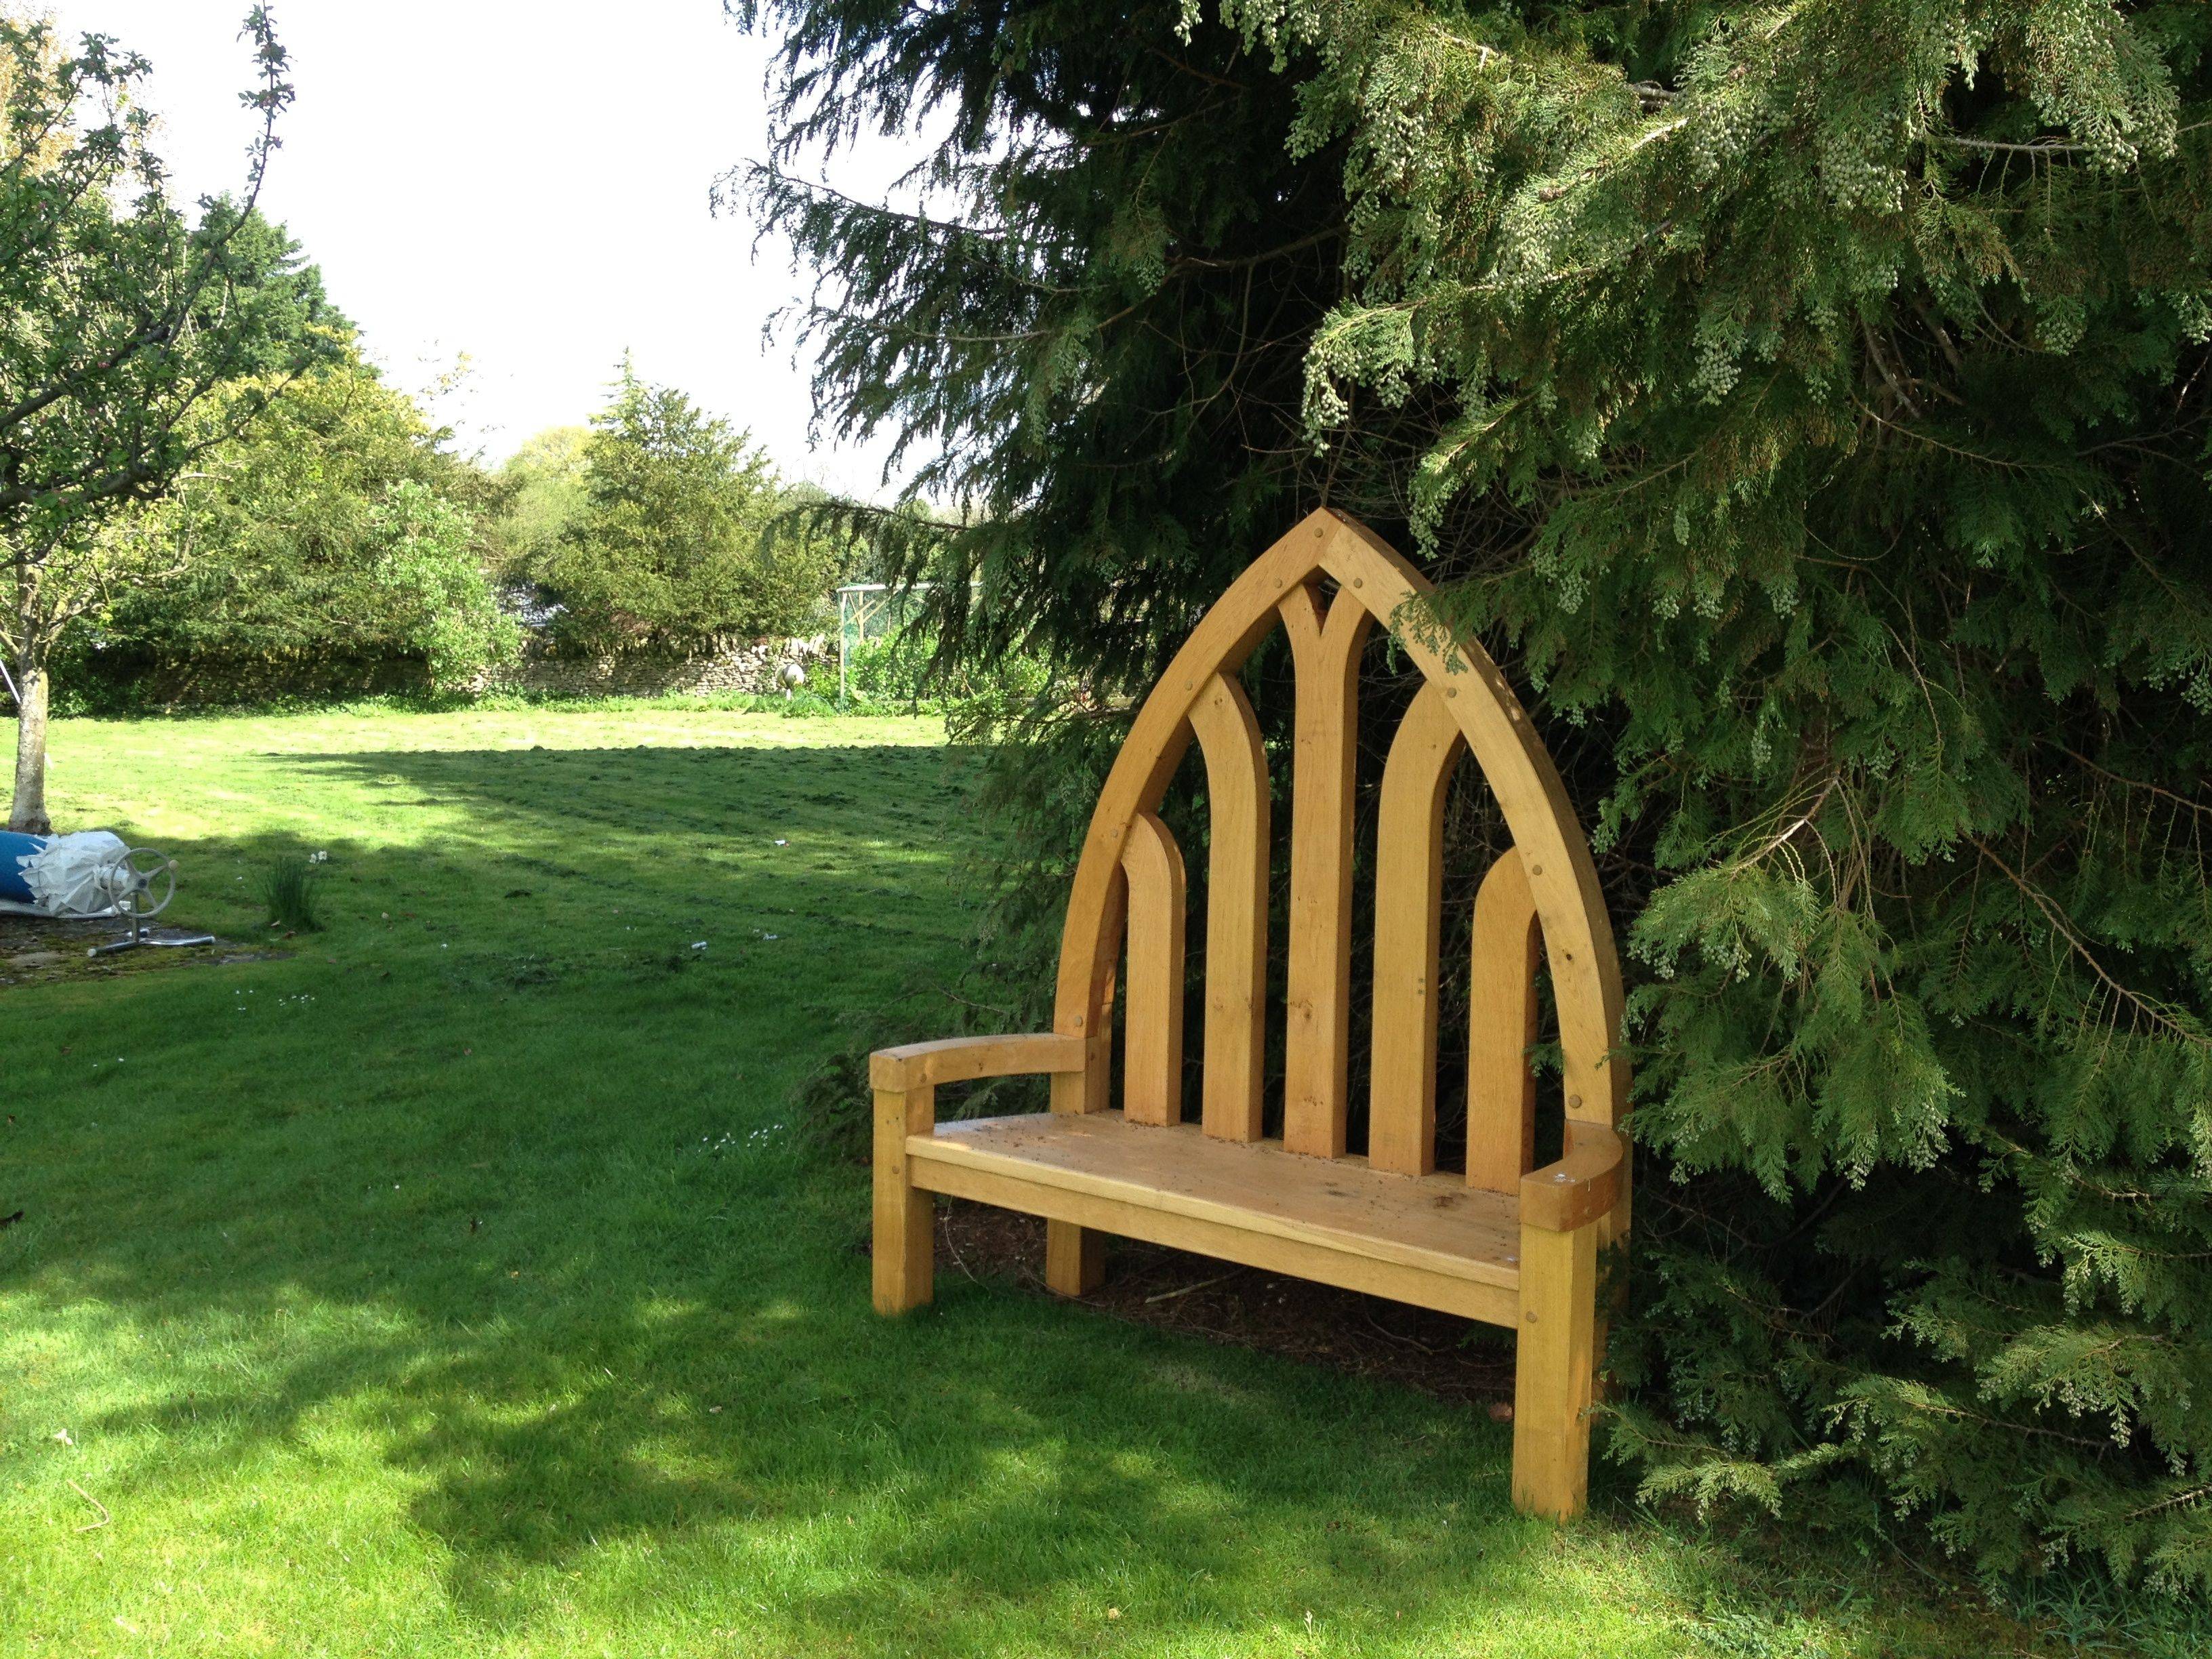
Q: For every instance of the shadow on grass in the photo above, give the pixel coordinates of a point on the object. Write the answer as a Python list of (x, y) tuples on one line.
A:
[(545, 1247)]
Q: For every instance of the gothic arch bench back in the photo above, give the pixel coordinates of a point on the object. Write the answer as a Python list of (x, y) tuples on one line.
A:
[(1504, 1241)]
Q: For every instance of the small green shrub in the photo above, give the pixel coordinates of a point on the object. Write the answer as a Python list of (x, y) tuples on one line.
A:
[(904, 669), (288, 888)]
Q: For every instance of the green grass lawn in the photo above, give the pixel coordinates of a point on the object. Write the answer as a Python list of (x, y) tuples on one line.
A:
[(460, 1283)]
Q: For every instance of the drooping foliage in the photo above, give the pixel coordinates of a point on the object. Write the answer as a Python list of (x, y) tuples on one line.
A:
[(1101, 353), (1808, 403)]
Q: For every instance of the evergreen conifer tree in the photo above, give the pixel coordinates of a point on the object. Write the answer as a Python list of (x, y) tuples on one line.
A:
[(1808, 402)]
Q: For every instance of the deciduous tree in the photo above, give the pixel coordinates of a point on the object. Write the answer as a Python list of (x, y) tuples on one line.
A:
[(119, 316), (542, 494), (336, 528)]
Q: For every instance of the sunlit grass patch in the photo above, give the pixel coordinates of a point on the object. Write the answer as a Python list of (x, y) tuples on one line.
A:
[(460, 1283)]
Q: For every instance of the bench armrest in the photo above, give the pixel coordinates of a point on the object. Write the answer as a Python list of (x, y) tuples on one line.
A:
[(960, 1060), (1580, 1188)]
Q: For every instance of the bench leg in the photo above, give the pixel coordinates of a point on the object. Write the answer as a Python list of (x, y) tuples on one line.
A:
[(1554, 1371), (905, 1239), (1074, 1258)]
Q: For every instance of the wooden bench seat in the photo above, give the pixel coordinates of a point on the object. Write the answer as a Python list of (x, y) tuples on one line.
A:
[(1498, 1240), (1432, 1241)]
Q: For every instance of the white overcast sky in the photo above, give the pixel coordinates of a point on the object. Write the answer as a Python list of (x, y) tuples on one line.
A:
[(524, 181)]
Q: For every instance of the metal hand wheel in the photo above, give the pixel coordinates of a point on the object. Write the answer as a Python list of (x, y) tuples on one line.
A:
[(139, 884)]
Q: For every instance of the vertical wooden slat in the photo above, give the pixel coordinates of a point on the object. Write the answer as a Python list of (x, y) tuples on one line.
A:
[(1235, 910), (1092, 1089), (1402, 1135), (1152, 1022), (1501, 1089), (1318, 1012), (1070, 1248)]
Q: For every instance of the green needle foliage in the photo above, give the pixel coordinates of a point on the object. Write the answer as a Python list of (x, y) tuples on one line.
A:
[(1103, 353), (1808, 402), (673, 533)]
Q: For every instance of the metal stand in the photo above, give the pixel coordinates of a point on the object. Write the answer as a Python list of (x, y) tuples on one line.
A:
[(129, 883), (138, 938)]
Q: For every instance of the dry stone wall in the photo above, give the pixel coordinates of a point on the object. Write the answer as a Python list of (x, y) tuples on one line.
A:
[(739, 666), (744, 667)]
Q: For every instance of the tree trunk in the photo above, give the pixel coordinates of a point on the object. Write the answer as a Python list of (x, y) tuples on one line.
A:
[(29, 814)]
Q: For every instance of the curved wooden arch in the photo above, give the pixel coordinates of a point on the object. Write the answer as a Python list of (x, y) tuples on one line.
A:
[(1562, 878)]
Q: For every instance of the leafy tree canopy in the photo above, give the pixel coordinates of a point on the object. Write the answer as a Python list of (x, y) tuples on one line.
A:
[(335, 525), (120, 315), (542, 494)]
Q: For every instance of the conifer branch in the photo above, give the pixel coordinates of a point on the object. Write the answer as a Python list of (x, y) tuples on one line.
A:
[(2149, 1009), (2194, 1494), (2037, 146), (2080, 759)]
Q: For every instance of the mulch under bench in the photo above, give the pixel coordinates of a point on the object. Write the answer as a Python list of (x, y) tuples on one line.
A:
[(1450, 1358)]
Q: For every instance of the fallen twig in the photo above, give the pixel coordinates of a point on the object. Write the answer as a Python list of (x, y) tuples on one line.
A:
[(1388, 1335), (1185, 1290), (952, 1248), (104, 1517)]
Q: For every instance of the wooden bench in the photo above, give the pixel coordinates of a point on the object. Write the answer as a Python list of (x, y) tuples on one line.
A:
[(1501, 1240)]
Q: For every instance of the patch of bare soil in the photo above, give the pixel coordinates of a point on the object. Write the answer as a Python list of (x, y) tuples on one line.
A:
[(40, 950), (1440, 1354)]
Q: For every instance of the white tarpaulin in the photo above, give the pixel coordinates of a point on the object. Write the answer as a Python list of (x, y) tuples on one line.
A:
[(58, 875)]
